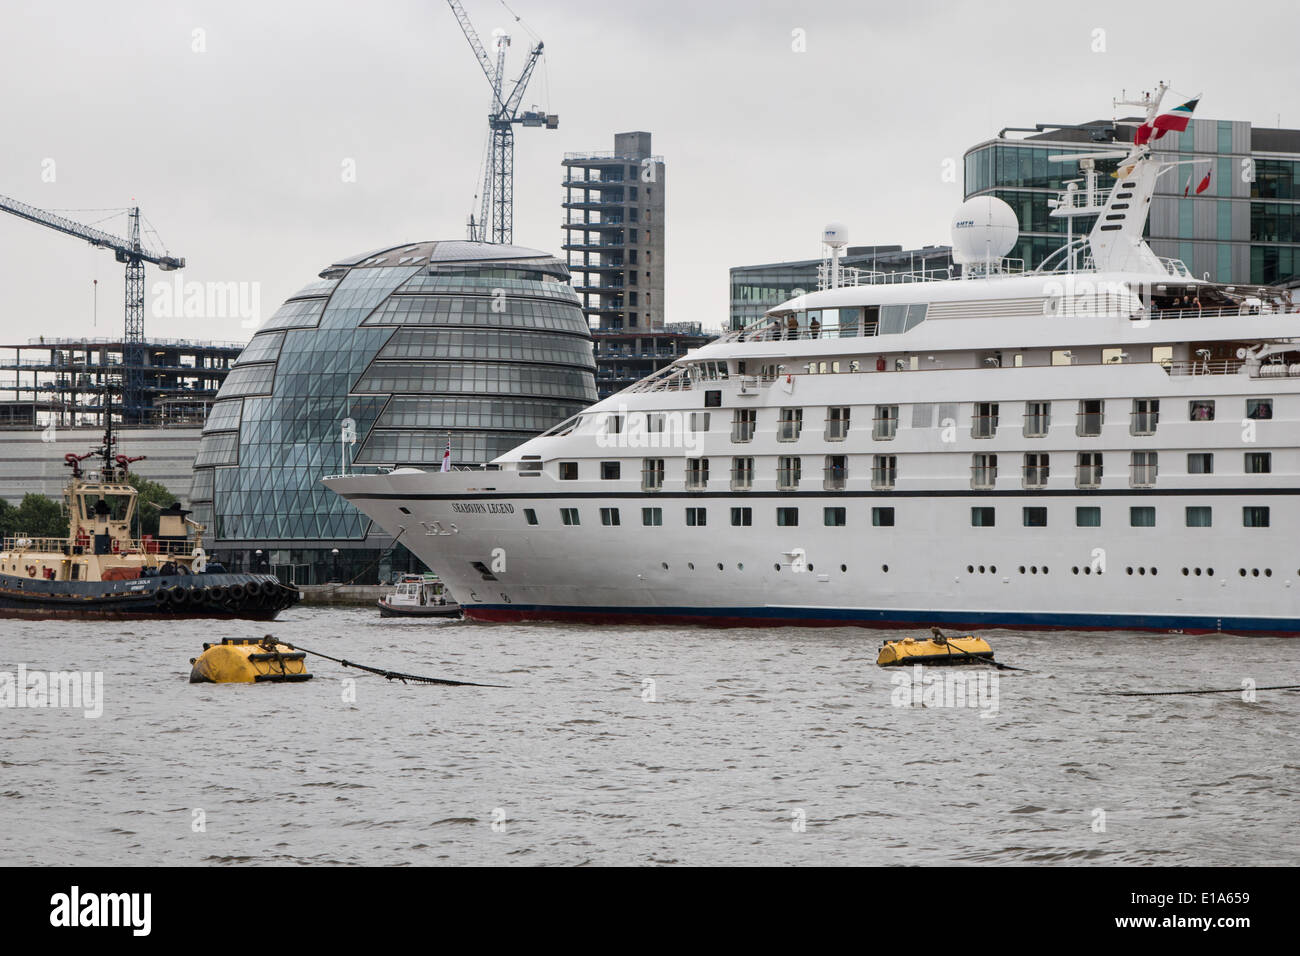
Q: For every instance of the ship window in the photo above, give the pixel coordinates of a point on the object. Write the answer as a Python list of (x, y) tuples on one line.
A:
[(837, 423), (983, 471), (836, 474), (698, 421), (1259, 408), (1254, 516), (1143, 467), (1038, 418), (787, 517), (981, 517), (788, 472), (610, 470), (654, 422), (652, 518), (790, 424), (405, 511), (1037, 469), (613, 424), (984, 423), (1091, 415), (885, 425), (884, 471), (742, 474), (882, 517), (530, 515), (1201, 410), (1087, 517), (1200, 463), (609, 517), (697, 517), (1142, 516), (568, 471), (1088, 469), (569, 516), (697, 473), (742, 424), (834, 517), (1035, 517), (742, 517), (1199, 516), (1145, 416), (1259, 462), (652, 474)]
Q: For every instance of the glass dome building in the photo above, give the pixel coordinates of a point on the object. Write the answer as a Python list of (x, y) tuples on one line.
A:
[(484, 345)]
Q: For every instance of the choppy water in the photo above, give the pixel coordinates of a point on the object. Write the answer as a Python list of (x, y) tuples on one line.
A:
[(749, 733)]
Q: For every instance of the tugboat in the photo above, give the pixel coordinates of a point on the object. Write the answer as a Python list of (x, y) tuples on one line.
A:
[(419, 595), (101, 571)]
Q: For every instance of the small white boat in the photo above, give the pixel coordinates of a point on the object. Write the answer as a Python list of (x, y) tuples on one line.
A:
[(419, 595)]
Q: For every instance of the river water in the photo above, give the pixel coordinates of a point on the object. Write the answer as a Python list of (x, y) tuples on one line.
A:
[(630, 745)]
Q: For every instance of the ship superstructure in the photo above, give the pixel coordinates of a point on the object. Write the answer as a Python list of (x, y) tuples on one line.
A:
[(1105, 442)]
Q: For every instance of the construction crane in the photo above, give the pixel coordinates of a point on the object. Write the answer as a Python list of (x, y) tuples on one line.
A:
[(131, 252), (496, 220)]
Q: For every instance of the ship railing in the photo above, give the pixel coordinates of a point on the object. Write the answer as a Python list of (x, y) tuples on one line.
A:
[(25, 542), (853, 276), (1265, 308), (1220, 367)]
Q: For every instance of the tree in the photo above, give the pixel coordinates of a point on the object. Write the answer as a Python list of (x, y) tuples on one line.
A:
[(36, 517), (152, 493)]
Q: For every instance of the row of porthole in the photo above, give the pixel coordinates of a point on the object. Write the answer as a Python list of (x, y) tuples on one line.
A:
[(844, 568), (1033, 569), (1254, 572), (1154, 571), (991, 569)]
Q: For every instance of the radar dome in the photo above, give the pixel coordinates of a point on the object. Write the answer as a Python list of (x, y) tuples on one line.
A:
[(984, 229), (835, 235)]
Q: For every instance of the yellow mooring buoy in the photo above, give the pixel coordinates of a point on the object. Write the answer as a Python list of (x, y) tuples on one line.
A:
[(248, 660), (935, 650)]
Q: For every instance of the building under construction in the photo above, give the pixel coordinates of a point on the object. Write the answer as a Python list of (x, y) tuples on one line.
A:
[(54, 394)]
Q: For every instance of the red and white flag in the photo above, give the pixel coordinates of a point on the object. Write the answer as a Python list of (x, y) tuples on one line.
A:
[(1187, 188), (446, 455), (1204, 184)]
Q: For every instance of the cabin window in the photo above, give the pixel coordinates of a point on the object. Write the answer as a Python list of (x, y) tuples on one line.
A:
[(1201, 410), (698, 421), (697, 517), (983, 471), (742, 424), (788, 472), (1254, 516), (1199, 516), (1259, 408), (787, 517), (885, 425), (882, 517), (1087, 516), (835, 517), (836, 472), (790, 424), (1035, 517), (1259, 462), (609, 517), (652, 474), (837, 423), (1087, 469), (982, 517), (1038, 418), (884, 471), (984, 422), (742, 474), (569, 516), (1036, 469), (1145, 416), (1091, 416), (1142, 469), (652, 517), (697, 473), (610, 470), (568, 471), (1142, 516), (1200, 463), (530, 515), (742, 517)]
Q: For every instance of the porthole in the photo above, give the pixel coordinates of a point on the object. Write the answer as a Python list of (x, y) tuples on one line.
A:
[(1142, 570), (1044, 569), (810, 567), (777, 566), (885, 568), (844, 568), (1210, 571), (970, 569), (719, 565), (690, 565), (1254, 572), (1128, 570), (1242, 572), (981, 569), (1198, 572), (1075, 569), (1268, 572), (1155, 571), (1087, 569), (1185, 572), (993, 569), (1033, 569), (740, 566), (665, 565), (1022, 569)]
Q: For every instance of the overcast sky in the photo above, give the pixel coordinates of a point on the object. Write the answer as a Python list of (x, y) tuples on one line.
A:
[(236, 152)]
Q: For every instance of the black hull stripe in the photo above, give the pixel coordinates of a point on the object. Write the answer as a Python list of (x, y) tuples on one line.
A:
[(742, 495)]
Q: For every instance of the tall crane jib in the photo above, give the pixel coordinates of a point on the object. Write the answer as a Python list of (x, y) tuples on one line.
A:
[(134, 255), (496, 219)]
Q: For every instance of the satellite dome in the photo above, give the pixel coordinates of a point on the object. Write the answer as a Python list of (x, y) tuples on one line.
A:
[(835, 235), (984, 229)]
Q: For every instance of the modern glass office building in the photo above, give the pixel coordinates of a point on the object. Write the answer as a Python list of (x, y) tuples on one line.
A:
[(1245, 227), (475, 344)]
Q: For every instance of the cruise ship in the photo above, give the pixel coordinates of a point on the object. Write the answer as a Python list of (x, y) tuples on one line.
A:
[(1105, 442)]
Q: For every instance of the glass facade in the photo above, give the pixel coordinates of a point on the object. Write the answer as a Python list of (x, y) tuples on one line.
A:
[(1243, 227), (383, 341)]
